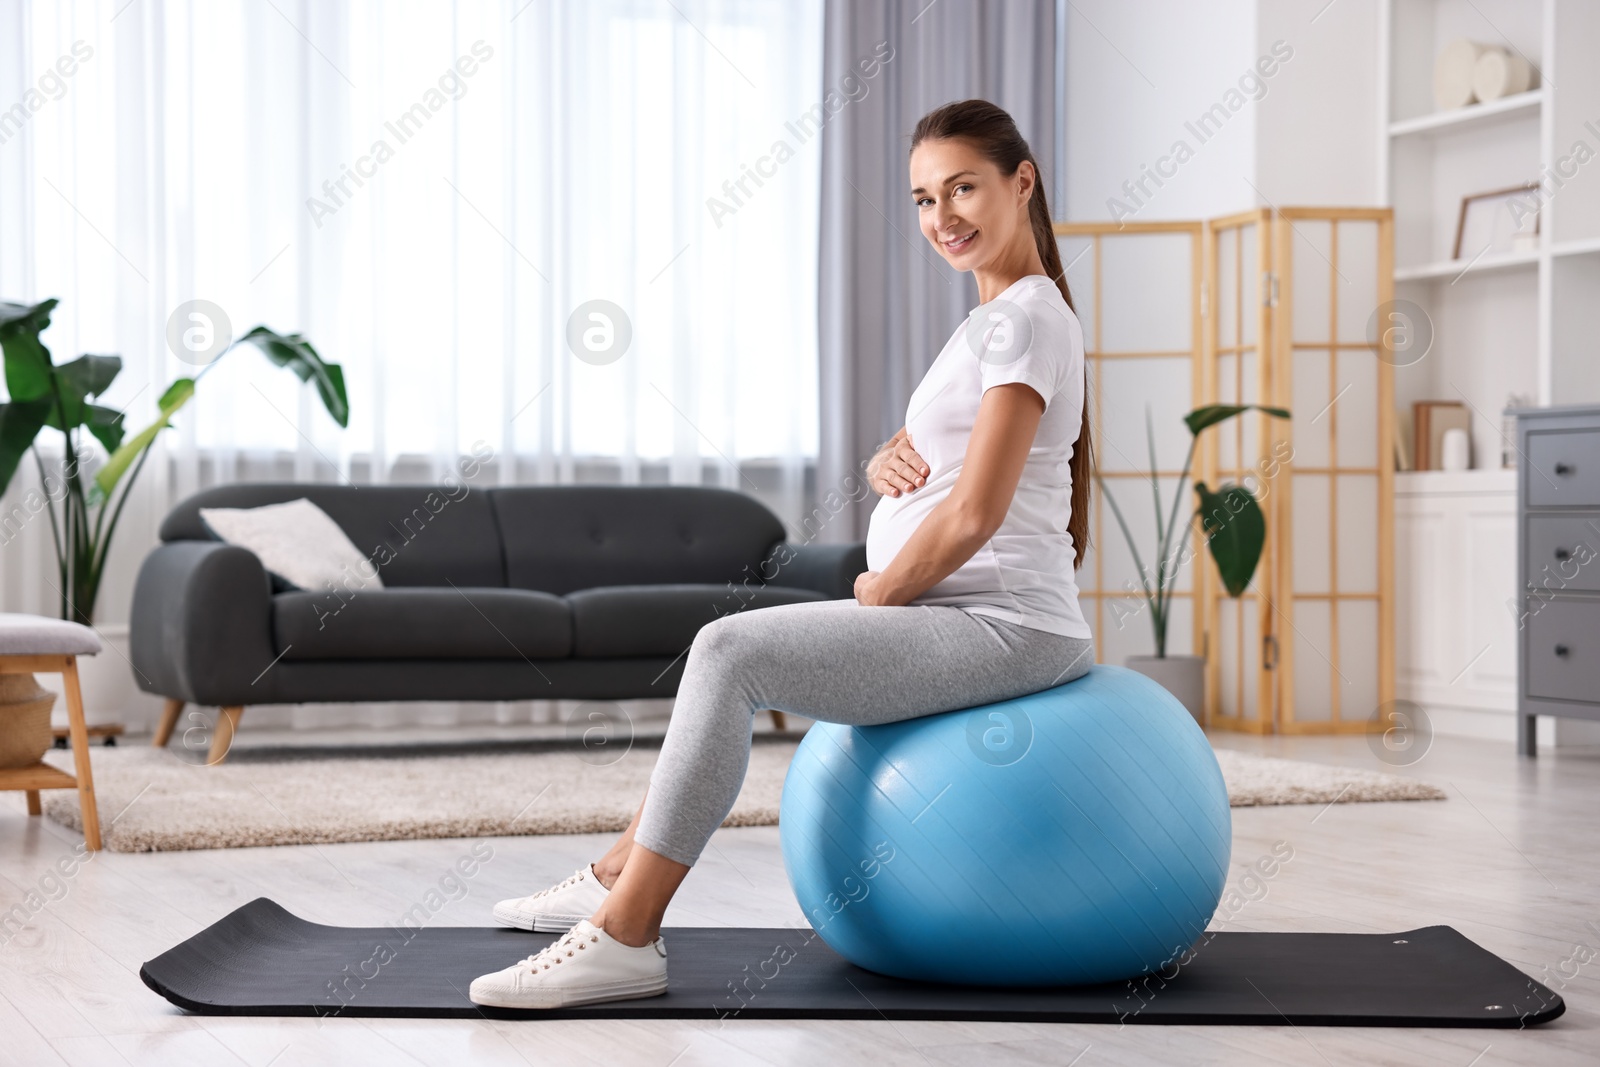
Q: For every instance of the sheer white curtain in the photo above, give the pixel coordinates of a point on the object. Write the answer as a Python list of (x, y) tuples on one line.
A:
[(429, 192)]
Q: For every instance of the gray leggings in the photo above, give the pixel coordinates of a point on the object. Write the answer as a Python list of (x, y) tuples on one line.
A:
[(834, 661)]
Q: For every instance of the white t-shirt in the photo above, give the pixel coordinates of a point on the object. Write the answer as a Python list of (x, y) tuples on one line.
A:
[(1024, 573)]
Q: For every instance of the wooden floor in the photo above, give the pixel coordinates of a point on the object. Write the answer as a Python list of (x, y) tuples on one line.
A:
[(1511, 860)]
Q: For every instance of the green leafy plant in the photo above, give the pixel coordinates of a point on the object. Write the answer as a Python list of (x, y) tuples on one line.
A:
[(1235, 526), (62, 397)]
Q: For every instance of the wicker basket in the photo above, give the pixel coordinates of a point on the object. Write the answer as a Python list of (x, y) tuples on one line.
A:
[(25, 733)]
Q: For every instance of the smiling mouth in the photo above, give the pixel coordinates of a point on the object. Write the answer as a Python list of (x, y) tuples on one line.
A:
[(960, 243)]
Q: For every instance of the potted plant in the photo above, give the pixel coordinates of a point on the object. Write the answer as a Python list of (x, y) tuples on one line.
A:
[(85, 505), (1236, 531)]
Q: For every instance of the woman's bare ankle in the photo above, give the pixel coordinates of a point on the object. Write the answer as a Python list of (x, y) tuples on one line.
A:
[(606, 874), (632, 934)]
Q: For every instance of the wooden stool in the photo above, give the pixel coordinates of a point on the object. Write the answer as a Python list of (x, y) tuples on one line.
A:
[(32, 644)]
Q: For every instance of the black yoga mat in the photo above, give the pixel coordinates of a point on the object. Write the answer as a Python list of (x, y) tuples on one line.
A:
[(261, 960)]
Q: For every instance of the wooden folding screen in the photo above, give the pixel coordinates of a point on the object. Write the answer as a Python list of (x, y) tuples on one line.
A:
[(1136, 289), (1274, 307), (1236, 368), (1334, 269)]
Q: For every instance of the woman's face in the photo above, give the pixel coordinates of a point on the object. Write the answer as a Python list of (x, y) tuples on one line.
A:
[(968, 210)]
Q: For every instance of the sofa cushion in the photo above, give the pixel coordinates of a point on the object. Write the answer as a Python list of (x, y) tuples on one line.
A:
[(661, 620), (297, 543), (462, 623), (416, 535), (559, 538)]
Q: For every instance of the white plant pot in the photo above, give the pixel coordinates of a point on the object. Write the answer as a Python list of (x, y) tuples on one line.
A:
[(1182, 676)]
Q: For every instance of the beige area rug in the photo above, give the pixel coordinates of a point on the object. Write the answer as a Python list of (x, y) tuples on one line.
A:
[(152, 801), (1258, 780)]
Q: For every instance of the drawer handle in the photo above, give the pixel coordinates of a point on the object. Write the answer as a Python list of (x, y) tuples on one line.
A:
[(1562, 553), (1563, 468), (1562, 650)]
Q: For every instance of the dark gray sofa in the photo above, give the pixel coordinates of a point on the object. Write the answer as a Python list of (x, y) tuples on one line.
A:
[(508, 593)]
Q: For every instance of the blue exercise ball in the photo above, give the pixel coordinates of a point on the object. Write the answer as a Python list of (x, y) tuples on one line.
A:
[(1079, 834)]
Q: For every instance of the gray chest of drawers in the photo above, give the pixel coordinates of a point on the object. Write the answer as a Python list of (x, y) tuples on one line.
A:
[(1558, 566)]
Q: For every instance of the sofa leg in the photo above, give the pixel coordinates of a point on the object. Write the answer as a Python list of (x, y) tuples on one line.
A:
[(222, 738), (779, 720), (169, 719)]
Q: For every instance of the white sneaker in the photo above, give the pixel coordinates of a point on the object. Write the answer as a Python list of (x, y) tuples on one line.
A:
[(586, 966), (557, 909)]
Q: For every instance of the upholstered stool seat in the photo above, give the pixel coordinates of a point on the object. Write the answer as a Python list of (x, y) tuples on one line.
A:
[(35, 635), (33, 644)]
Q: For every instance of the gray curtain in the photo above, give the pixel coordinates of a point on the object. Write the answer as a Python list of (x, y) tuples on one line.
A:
[(887, 300)]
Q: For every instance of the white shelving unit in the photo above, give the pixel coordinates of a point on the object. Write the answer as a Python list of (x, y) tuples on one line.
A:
[(1457, 268), (1511, 322), (1456, 644), (1473, 115)]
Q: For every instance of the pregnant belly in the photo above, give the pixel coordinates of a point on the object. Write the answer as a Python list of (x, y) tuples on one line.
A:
[(895, 519)]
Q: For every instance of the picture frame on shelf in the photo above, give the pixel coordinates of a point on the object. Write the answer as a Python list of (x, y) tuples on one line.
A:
[(1490, 221), (1429, 421), (1402, 456)]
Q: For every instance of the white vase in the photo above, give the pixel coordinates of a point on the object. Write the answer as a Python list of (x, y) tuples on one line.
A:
[(1500, 73), (1455, 450), (1453, 71), (1182, 676)]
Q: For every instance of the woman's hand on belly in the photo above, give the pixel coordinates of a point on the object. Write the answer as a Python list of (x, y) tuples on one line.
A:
[(897, 467), (973, 509)]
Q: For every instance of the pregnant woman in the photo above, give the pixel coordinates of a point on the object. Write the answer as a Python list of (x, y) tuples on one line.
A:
[(969, 598)]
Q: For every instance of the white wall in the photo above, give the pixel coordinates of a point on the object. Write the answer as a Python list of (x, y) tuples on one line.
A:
[(1316, 129), (1137, 72), (1140, 73)]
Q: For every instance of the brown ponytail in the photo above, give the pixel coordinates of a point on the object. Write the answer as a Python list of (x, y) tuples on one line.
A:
[(994, 133)]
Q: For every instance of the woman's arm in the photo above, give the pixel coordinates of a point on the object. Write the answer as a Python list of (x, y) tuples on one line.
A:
[(1002, 435)]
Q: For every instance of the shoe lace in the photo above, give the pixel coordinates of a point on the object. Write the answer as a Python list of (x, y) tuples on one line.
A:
[(570, 881), (568, 945)]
